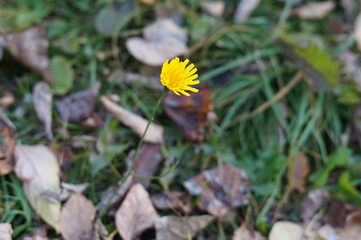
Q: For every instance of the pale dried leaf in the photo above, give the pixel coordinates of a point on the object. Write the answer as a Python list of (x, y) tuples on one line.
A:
[(38, 168), (180, 228), (76, 218), (6, 99), (213, 8), (6, 151), (243, 233), (135, 122), (31, 49), (352, 229), (298, 172), (170, 200), (244, 10), (311, 204), (357, 31), (286, 231), (5, 231), (314, 10), (351, 66), (136, 213), (162, 40), (327, 232), (42, 98)]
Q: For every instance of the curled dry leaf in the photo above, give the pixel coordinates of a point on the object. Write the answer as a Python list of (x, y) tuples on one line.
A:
[(314, 10), (243, 233), (298, 171), (192, 113), (6, 151), (311, 204), (220, 189), (286, 231), (162, 40), (31, 49), (213, 8), (170, 200), (180, 228), (38, 168), (147, 162), (78, 106), (244, 10), (76, 218), (352, 229), (136, 213), (5, 231), (42, 99), (135, 122)]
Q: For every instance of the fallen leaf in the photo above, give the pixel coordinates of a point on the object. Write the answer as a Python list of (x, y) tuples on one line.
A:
[(352, 67), (311, 205), (40, 233), (298, 171), (326, 232), (63, 75), (213, 8), (38, 168), (76, 218), (352, 229), (42, 99), (243, 233), (5, 231), (244, 10), (7, 147), (136, 213), (170, 200), (30, 47), (64, 193), (78, 106), (180, 228), (357, 31), (286, 231), (135, 122), (6, 99), (147, 163), (314, 10), (147, 2), (162, 40), (220, 188), (192, 113)]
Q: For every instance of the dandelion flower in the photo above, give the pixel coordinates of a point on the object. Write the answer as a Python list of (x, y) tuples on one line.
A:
[(177, 76)]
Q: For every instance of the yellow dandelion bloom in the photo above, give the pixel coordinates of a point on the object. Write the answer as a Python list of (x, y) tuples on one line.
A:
[(177, 76)]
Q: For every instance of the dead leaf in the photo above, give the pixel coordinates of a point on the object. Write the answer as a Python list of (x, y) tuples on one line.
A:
[(147, 2), (243, 233), (286, 231), (136, 213), (244, 10), (133, 121), (78, 106), (6, 99), (162, 40), (180, 228), (38, 168), (357, 31), (311, 204), (352, 67), (213, 8), (298, 171), (352, 229), (314, 10), (337, 213), (40, 233), (64, 193), (326, 232), (76, 218), (31, 49), (147, 163), (42, 99), (220, 188), (170, 200), (6, 151), (5, 231), (192, 113)]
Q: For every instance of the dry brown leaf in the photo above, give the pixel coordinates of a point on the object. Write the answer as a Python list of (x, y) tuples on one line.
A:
[(170, 200), (78, 106), (42, 98), (135, 122), (220, 188), (213, 8), (5, 231), (6, 151), (162, 40), (192, 113), (6, 99), (39, 234), (31, 49), (286, 231), (298, 171), (180, 228), (38, 168), (76, 218), (314, 10), (311, 204), (244, 10), (326, 232), (357, 31), (352, 229), (243, 233), (136, 213), (147, 163)]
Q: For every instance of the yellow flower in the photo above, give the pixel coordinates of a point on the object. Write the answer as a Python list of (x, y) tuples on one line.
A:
[(177, 77)]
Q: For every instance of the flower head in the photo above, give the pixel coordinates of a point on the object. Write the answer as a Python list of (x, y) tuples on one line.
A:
[(177, 76)]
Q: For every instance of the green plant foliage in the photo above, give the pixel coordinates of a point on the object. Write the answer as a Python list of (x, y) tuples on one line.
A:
[(63, 75)]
